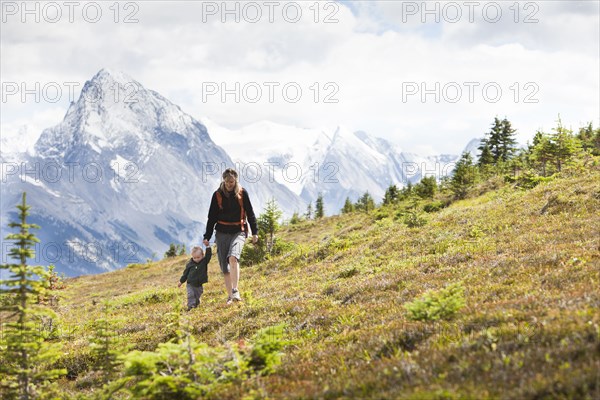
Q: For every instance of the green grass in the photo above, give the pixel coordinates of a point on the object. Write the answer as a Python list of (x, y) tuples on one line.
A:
[(528, 261)]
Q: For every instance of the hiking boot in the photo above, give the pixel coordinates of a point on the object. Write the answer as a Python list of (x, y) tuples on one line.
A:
[(235, 295)]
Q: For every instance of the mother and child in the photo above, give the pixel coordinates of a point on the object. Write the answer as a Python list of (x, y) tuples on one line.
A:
[(229, 215)]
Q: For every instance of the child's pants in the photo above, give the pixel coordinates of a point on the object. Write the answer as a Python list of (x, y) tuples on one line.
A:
[(193, 295)]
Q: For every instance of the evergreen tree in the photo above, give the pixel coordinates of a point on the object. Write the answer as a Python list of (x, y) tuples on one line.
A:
[(518, 163), (565, 145), (365, 203), (498, 145), (104, 345), (506, 142), (348, 206), (406, 191), (464, 176), (391, 195), (590, 139), (320, 211), (444, 184), (182, 250), (295, 219), (25, 360), (493, 141), (426, 188), (268, 223), (172, 252), (413, 217), (542, 151), (309, 211), (537, 138), (53, 283), (485, 157)]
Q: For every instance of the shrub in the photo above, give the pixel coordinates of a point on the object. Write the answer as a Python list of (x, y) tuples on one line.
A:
[(434, 306), (381, 214), (434, 206), (186, 369), (253, 254), (527, 180), (413, 218), (280, 246), (266, 351)]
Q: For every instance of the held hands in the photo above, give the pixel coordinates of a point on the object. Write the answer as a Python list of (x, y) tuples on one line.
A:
[(205, 242), (179, 284)]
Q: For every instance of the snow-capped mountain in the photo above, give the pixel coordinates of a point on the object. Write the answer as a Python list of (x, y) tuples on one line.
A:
[(337, 163), (14, 145), (284, 153), (120, 178)]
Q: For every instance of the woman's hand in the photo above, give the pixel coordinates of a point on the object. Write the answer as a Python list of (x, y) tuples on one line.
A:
[(254, 239), (205, 242)]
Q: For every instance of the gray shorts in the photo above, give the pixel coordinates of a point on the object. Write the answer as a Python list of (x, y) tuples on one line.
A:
[(229, 244)]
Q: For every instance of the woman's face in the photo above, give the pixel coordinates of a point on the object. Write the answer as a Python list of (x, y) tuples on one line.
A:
[(229, 183)]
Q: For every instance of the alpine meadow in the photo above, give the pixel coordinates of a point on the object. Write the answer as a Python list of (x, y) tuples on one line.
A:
[(481, 285)]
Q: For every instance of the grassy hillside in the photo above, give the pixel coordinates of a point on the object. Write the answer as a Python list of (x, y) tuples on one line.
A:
[(528, 263)]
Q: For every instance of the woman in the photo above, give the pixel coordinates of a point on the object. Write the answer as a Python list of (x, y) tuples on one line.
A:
[(231, 211)]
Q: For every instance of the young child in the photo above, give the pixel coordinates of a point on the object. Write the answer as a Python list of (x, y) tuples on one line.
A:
[(196, 274)]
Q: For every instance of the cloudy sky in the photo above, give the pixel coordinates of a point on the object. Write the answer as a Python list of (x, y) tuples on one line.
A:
[(428, 76)]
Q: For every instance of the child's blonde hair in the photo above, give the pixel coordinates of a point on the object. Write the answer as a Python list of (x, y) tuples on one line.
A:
[(197, 249)]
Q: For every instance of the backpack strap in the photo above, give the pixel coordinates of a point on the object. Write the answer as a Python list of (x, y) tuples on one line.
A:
[(240, 197), (219, 200)]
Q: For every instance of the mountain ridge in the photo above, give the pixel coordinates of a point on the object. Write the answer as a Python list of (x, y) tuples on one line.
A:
[(129, 172)]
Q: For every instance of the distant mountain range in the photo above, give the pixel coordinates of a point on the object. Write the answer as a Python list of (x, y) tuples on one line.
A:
[(337, 163), (117, 180)]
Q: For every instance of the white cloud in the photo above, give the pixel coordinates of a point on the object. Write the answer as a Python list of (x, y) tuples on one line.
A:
[(372, 52)]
